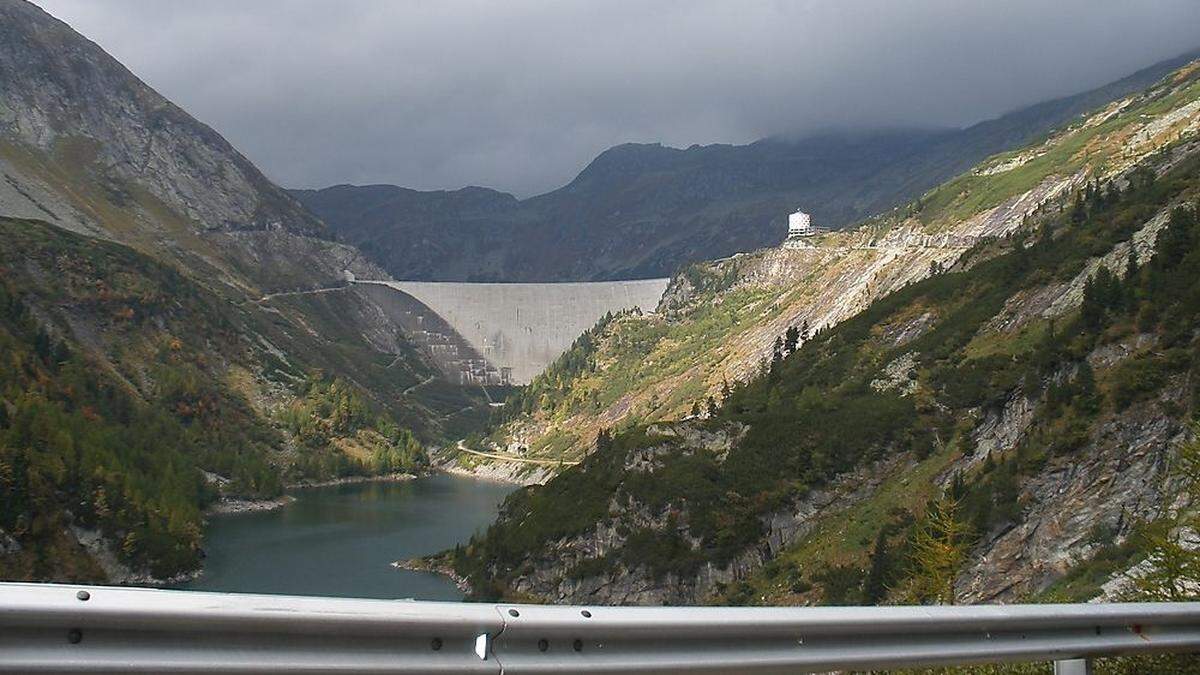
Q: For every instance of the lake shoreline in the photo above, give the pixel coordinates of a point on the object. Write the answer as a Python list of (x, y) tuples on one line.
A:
[(234, 505), (351, 480), (435, 564)]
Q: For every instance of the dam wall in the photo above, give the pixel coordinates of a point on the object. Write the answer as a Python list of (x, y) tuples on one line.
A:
[(521, 328)]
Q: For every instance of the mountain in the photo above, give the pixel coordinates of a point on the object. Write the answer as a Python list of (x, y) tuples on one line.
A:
[(176, 329), (641, 210), (977, 398)]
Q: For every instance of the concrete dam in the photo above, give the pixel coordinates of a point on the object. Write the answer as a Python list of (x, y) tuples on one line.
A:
[(505, 332)]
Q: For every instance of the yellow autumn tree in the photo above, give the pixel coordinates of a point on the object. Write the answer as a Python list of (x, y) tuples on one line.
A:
[(940, 544)]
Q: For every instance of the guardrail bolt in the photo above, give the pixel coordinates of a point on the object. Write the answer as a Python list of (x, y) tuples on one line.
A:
[(586, 614), (74, 636), (83, 595), (436, 644), (578, 645), (513, 612), (543, 645)]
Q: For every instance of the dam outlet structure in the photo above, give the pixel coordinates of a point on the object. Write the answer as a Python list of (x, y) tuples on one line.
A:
[(504, 333)]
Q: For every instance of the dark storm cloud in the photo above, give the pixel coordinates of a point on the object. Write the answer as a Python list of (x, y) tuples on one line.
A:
[(519, 95)]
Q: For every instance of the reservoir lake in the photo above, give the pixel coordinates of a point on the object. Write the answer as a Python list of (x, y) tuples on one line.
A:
[(340, 540)]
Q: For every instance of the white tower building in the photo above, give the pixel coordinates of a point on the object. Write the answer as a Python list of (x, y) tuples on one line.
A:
[(799, 225)]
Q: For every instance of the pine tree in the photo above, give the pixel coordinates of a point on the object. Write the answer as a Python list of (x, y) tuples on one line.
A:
[(791, 339), (41, 345), (958, 488), (1085, 389), (604, 440), (875, 587), (1078, 211), (1132, 271)]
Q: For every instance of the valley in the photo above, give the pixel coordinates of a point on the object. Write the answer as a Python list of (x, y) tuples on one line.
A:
[(977, 381)]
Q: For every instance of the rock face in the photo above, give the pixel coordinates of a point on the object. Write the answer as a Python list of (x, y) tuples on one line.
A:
[(1113, 483), (60, 93)]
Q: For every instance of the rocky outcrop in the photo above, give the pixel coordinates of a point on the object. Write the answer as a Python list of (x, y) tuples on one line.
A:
[(1111, 484), (638, 585)]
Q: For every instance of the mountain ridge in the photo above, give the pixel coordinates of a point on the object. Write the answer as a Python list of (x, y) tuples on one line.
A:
[(642, 210)]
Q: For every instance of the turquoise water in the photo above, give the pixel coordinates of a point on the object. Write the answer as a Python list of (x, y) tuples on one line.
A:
[(339, 540)]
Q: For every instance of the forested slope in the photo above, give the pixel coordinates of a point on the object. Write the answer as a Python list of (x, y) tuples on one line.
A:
[(130, 400), (1022, 402)]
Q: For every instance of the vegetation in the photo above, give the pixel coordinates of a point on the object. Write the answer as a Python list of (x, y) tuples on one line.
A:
[(345, 435), (1171, 571), (550, 388), (820, 412), (123, 412)]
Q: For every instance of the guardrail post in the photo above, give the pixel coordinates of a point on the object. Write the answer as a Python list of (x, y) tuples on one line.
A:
[(1073, 667)]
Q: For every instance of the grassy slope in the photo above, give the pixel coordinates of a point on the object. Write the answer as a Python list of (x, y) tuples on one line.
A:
[(655, 367)]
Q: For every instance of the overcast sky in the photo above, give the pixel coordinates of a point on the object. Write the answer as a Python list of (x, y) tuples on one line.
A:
[(520, 95)]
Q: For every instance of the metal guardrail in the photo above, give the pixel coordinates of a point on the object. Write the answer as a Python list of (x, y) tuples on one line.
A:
[(47, 628)]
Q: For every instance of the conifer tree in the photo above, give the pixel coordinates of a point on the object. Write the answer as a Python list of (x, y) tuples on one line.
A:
[(791, 339), (875, 586)]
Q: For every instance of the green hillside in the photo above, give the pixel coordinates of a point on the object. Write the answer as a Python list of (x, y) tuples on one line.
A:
[(816, 480), (719, 319), (123, 383)]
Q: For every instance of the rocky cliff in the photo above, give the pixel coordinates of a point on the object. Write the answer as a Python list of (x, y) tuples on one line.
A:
[(59, 88)]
